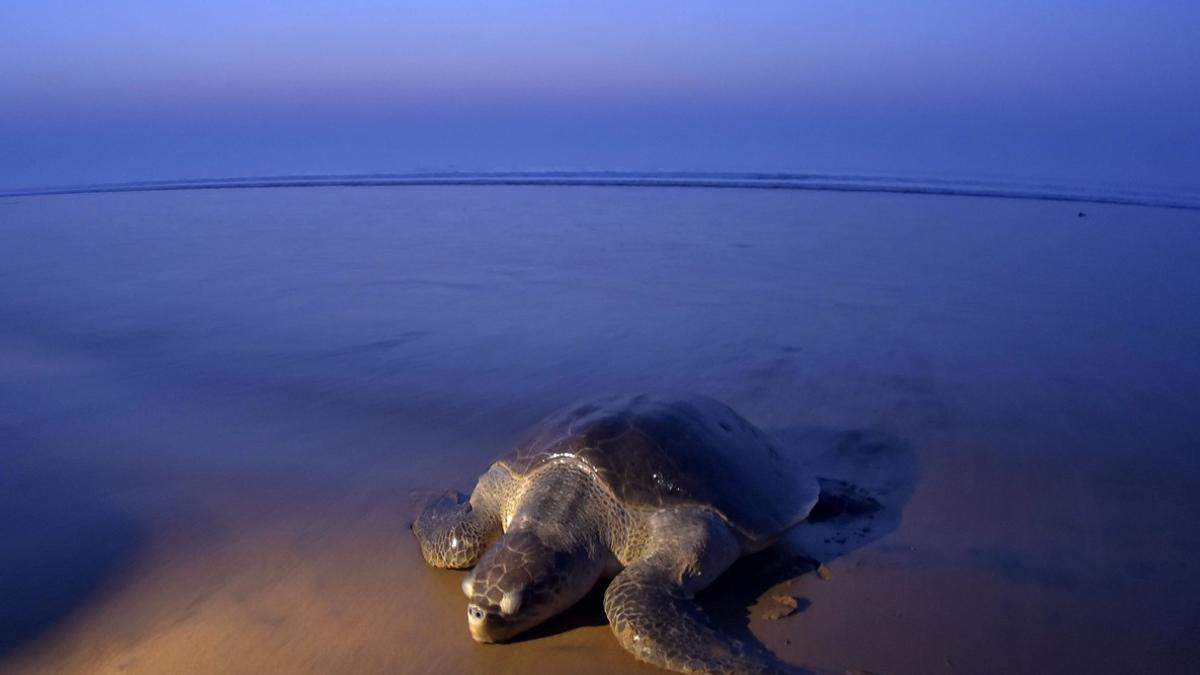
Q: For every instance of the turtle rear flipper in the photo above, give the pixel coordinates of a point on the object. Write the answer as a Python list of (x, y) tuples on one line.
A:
[(840, 499)]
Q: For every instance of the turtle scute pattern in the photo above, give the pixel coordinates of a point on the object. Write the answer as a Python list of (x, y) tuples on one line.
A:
[(622, 530), (656, 452)]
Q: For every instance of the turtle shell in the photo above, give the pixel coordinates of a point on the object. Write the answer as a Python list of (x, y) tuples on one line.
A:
[(658, 451)]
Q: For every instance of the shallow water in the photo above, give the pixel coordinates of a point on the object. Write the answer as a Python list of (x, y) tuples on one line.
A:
[(219, 408)]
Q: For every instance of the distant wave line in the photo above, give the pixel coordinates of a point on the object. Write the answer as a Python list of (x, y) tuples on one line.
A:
[(761, 181)]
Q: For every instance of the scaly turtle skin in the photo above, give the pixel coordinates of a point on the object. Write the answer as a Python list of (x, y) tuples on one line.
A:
[(659, 494)]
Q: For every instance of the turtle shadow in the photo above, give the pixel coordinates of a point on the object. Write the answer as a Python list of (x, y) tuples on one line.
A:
[(62, 543), (867, 479)]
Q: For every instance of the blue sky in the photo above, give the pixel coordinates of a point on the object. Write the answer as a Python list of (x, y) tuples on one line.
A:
[(1066, 91)]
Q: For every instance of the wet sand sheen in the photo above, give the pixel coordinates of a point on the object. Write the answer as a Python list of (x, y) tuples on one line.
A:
[(215, 384)]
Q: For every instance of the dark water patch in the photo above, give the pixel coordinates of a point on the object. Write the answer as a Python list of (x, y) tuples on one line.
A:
[(62, 543), (440, 284), (1018, 568), (371, 347)]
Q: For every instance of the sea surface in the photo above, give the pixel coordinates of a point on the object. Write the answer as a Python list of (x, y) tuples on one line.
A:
[(220, 408)]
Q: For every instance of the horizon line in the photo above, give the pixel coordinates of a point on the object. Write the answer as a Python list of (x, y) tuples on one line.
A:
[(828, 182)]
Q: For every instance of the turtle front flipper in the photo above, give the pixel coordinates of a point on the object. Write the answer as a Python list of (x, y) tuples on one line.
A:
[(650, 606), (453, 532)]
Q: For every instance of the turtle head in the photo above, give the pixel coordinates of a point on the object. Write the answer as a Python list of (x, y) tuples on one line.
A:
[(524, 579)]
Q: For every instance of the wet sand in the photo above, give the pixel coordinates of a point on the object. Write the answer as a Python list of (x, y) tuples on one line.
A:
[(219, 410)]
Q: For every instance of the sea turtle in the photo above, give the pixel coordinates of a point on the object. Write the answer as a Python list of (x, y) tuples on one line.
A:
[(661, 494)]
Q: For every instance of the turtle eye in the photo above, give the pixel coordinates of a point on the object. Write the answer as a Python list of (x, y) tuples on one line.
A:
[(468, 583), (510, 603)]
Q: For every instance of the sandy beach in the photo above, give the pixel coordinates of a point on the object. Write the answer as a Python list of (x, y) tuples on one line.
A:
[(220, 409)]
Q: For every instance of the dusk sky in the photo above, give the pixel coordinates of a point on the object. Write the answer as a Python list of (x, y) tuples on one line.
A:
[(1075, 92)]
